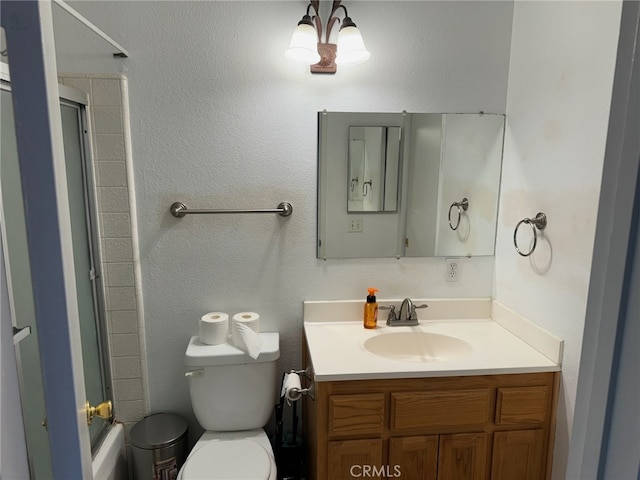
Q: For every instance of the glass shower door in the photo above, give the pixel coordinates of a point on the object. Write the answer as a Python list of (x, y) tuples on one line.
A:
[(85, 259), (21, 301), (86, 263)]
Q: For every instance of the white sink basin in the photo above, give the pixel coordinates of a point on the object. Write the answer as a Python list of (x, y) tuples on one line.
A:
[(417, 346)]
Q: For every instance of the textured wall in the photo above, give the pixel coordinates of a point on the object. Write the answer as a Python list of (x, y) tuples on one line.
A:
[(560, 78), (220, 119)]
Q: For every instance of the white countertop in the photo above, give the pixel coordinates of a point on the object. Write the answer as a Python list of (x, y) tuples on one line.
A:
[(337, 351)]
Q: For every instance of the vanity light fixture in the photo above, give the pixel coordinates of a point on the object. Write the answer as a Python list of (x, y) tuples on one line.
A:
[(307, 45)]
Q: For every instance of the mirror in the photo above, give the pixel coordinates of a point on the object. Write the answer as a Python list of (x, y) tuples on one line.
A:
[(374, 162), (408, 184)]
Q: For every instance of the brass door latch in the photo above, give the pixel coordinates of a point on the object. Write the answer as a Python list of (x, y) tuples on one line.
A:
[(103, 410)]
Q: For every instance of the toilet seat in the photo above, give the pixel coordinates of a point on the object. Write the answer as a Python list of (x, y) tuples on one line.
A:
[(227, 460)]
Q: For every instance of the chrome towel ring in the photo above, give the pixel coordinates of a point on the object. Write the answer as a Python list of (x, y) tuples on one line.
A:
[(538, 223), (461, 206)]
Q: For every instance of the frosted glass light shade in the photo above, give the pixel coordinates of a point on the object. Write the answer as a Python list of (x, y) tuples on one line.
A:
[(304, 45), (351, 49)]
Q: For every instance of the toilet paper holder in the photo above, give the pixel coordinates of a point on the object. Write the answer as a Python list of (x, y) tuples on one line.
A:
[(296, 393)]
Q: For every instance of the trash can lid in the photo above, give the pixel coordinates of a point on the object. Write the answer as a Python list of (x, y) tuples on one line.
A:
[(158, 430)]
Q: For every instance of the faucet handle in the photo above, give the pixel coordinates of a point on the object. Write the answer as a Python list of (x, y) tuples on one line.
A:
[(412, 314), (391, 317)]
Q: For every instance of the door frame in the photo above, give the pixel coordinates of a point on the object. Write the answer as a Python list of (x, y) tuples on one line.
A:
[(29, 32), (79, 101), (73, 98), (609, 311)]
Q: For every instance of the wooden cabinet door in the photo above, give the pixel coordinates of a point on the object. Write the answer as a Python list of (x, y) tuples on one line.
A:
[(349, 459), (518, 454), (414, 458), (463, 456)]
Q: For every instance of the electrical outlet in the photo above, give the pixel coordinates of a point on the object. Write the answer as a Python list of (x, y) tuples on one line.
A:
[(452, 269), (355, 225)]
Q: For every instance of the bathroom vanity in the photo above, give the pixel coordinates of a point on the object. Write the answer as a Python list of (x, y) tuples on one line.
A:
[(412, 402)]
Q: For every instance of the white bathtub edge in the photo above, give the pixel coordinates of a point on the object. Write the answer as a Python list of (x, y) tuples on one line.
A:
[(110, 463)]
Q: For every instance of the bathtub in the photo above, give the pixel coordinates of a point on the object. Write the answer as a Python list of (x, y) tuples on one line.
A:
[(109, 462)]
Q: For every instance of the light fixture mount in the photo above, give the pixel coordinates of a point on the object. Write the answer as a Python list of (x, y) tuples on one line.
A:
[(327, 63)]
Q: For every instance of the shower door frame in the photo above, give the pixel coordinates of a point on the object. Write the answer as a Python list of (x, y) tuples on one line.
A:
[(71, 97), (29, 32), (78, 100)]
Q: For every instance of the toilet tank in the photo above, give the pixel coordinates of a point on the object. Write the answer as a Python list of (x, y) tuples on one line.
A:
[(229, 390)]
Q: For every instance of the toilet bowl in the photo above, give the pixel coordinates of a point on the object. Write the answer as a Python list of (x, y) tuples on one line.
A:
[(233, 396), (245, 455)]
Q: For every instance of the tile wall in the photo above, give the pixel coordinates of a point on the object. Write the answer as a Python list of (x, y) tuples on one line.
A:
[(108, 112)]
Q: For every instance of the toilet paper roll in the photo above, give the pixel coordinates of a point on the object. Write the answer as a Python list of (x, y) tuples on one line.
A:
[(291, 387), (250, 319), (214, 328), (245, 327)]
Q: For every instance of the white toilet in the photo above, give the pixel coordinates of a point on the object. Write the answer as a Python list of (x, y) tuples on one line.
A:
[(233, 397)]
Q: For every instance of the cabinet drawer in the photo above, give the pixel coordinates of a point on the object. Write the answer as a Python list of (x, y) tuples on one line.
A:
[(440, 409), (522, 405), (356, 414)]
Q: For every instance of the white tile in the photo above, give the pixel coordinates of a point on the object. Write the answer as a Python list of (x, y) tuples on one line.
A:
[(129, 410), (122, 298), (118, 250), (123, 321), (112, 173), (106, 91), (94, 148), (128, 389), (97, 190), (127, 367), (92, 128), (106, 293), (120, 275), (127, 430), (125, 345), (107, 119), (81, 83), (109, 146), (113, 199), (100, 223), (115, 225)]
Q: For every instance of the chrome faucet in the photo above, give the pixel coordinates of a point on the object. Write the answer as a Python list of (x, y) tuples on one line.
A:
[(409, 312), (406, 317)]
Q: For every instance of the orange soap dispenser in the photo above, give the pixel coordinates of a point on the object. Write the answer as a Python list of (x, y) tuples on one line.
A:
[(371, 309)]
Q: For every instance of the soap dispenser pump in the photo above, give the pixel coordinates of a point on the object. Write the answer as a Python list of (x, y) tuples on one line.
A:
[(371, 309)]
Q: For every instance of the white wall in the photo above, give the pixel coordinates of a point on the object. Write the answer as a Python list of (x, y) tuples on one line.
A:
[(221, 119), (560, 79)]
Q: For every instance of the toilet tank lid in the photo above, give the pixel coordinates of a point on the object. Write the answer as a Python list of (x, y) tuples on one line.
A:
[(202, 355)]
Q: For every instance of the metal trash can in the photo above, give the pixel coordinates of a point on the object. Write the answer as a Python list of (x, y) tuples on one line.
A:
[(159, 447)]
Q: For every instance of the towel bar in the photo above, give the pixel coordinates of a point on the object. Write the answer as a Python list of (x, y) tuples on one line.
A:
[(179, 210)]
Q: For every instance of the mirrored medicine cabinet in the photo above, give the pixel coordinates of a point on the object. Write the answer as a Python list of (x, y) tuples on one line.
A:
[(408, 184)]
